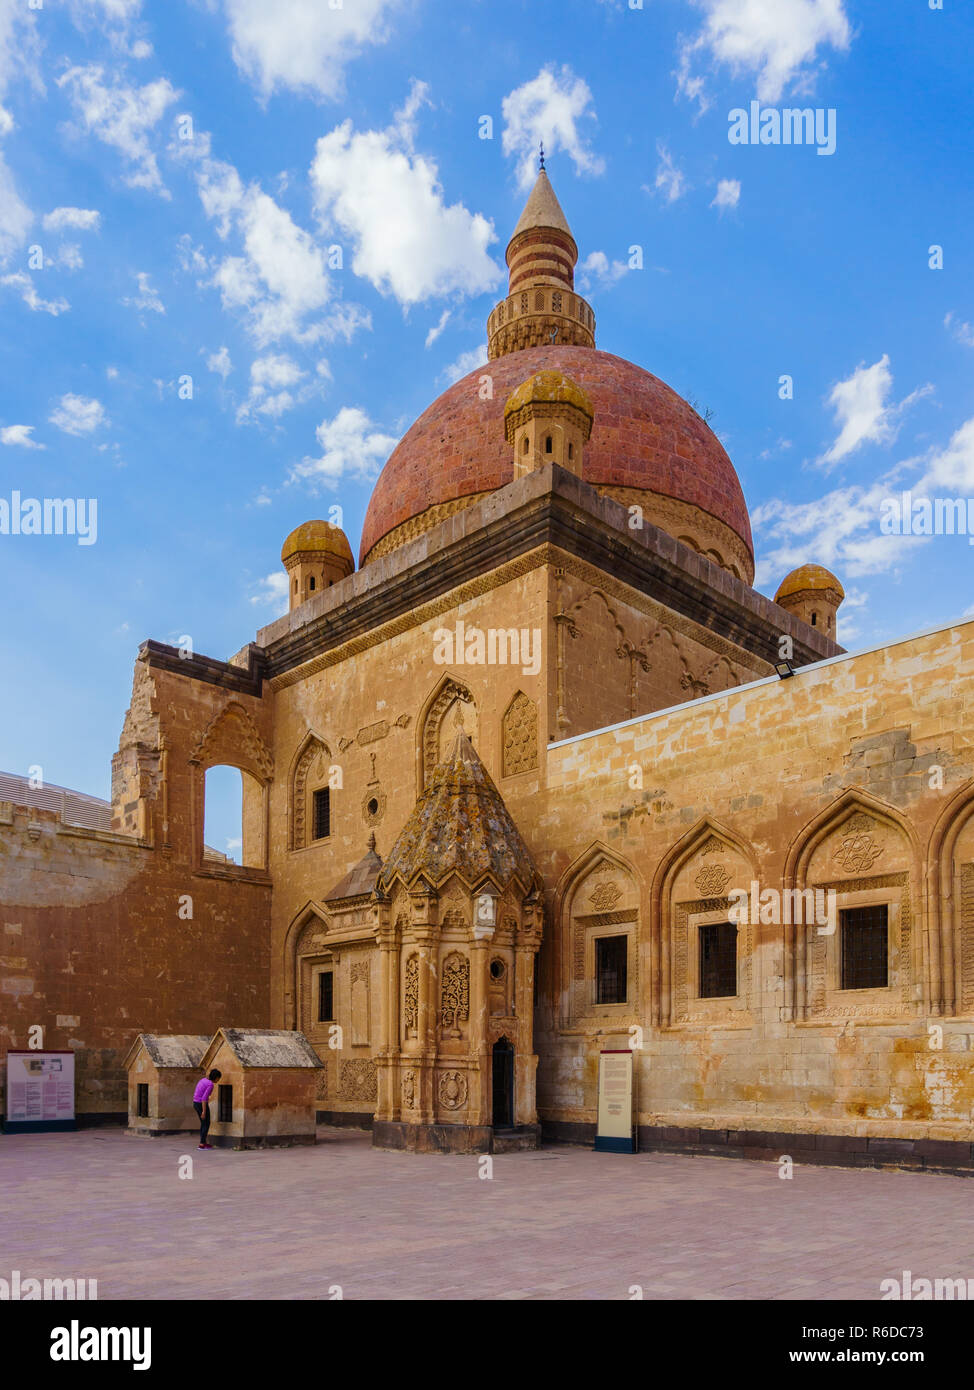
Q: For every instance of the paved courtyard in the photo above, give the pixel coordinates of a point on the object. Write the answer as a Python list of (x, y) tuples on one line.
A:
[(564, 1223)]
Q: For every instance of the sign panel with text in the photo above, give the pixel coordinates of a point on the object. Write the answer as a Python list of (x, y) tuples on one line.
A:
[(616, 1132), (40, 1092)]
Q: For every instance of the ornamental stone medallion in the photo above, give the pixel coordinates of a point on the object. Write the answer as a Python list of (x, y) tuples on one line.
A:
[(452, 1090), (856, 848)]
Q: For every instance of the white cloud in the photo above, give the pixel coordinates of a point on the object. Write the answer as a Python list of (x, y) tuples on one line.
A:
[(272, 382), (728, 195), (122, 117), (778, 40), (19, 51), (220, 363), (864, 411), (303, 45), (841, 529), (279, 280), (19, 435), (438, 328), (351, 446), (15, 216), (24, 284), (272, 591), (78, 414), (465, 363), (147, 300), (951, 470), (374, 189), (69, 256), (670, 181), (78, 219), (963, 332), (552, 108), (597, 272)]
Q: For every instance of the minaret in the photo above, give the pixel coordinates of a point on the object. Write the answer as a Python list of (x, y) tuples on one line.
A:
[(541, 308)]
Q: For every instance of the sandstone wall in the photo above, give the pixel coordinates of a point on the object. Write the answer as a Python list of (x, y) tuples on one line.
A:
[(855, 775)]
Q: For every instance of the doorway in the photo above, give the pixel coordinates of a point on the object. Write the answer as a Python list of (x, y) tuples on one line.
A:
[(503, 1084)]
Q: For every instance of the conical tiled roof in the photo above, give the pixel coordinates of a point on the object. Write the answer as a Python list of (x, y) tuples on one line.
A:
[(542, 209), (360, 880), (460, 825)]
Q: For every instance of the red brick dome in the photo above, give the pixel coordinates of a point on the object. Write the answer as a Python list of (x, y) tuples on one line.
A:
[(645, 438)]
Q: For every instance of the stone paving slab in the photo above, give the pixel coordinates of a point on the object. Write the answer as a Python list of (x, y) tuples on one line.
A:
[(563, 1223)]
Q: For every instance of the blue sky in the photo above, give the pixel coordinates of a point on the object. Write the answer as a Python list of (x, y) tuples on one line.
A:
[(174, 179)]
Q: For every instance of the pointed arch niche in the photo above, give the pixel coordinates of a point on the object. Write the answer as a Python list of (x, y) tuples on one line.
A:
[(436, 729), (519, 736), (695, 931), (232, 739), (866, 853), (598, 903), (951, 878), (309, 774)]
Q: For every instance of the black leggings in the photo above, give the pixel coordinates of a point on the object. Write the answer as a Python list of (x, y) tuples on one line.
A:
[(204, 1114)]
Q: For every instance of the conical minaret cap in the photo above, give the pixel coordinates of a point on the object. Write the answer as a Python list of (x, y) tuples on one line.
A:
[(542, 209), (542, 307)]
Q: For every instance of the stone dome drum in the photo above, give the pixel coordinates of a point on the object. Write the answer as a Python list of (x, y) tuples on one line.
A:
[(648, 447)]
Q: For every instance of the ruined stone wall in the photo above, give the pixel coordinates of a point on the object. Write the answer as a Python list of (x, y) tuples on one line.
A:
[(854, 776), (96, 940)]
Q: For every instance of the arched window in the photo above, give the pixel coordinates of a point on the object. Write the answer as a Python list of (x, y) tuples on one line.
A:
[(311, 584), (814, 620), (232, 817), (525, 445), (547, 445)]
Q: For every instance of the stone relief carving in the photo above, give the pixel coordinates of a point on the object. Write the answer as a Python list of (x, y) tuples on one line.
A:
[(857, 848), (452, 1090), (520, 736), (455, 993), (409, 1089), (411, 994), (451, 692), (711, 880), (231, 733), (312, 767), (604, 896), (358, 1080)]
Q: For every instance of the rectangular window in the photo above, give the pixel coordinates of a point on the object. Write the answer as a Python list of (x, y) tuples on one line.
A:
[(225, 1105), (865, 947), (322, 814), (611, 969), (326, 996), (718, 960), (143, 1100)]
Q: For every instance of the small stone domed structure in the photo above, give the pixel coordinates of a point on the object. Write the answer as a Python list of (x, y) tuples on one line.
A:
[(813, 594), (315, 555), (548, 419)]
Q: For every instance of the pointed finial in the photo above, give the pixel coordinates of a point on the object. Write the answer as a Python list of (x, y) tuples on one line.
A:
[(542, 157), (458, 716), (372, 841)]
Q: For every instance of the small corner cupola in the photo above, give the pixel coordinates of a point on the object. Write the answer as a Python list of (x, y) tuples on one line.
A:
[(315, 556), (541, 308), (548, 419), (813, 595)]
